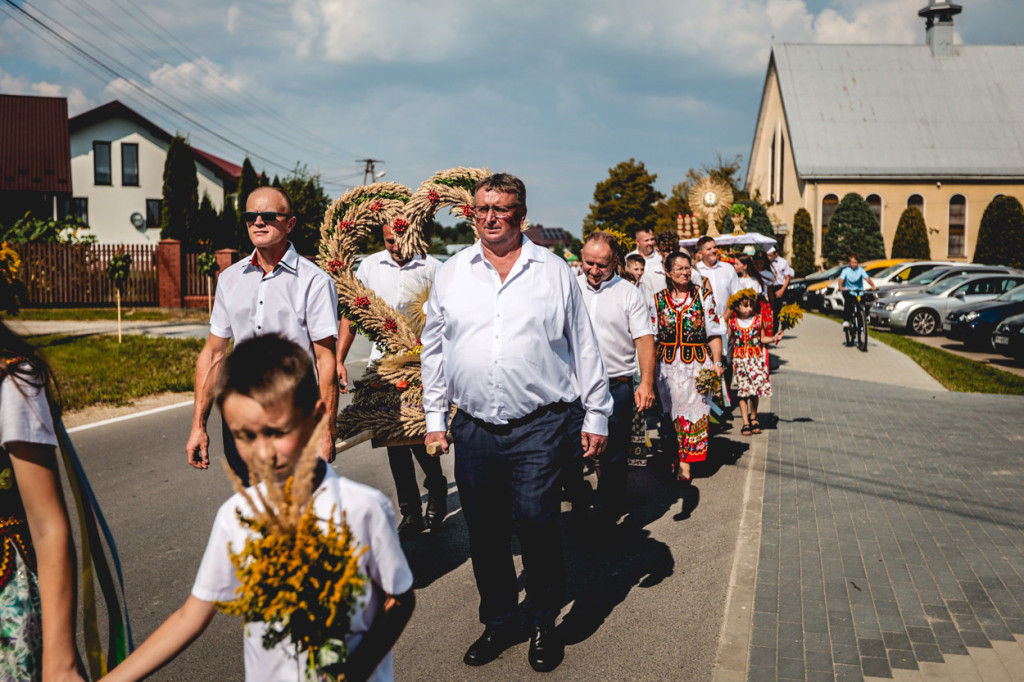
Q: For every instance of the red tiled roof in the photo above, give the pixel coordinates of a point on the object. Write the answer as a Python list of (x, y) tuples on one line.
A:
[(35, 150), (229, 171)]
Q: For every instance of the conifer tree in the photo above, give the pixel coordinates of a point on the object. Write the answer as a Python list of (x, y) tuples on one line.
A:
[(758, 221), (853, 229), (181, 194), (625, 201), (803, 243), (911, 240), (1001, 235)]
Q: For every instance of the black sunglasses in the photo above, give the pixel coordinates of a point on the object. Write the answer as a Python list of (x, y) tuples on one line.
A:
[(267, 216)]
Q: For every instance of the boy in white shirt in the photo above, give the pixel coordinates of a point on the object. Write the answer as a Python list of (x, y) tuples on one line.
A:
[(269, 398)]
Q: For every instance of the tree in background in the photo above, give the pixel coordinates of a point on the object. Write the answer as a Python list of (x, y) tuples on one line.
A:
[(911, 239), (625, 202), (67, 230), (670, 208), (309, 203), (803, 243), (208, 226), (1001, 235), (181, 194), (853, 229), (758, 221), (247, 182)]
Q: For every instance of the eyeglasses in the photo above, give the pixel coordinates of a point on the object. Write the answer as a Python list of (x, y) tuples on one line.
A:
[(268, 216), (499, 211)]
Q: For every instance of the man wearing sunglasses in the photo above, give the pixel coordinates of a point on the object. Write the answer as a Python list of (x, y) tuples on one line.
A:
[(274, 290)]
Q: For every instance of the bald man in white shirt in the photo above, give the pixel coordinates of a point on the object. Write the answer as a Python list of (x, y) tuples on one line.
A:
[(622, 322), (506, 335)]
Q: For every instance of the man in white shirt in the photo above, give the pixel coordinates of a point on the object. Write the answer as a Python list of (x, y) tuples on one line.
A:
[(400, 281), (721, 278), (653, 279), (624, 331), (275, 290), (783, 274), (507, 332)]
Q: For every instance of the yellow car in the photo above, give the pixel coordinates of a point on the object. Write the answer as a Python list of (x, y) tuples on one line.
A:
[(826, 294)]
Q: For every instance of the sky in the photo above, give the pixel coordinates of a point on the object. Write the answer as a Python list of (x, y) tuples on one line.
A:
[(554, 91)]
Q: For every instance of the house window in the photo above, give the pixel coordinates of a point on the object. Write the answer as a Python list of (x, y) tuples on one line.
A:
[(828, 207), (130, 164), (957, 221), (101, 163), (875, 202), (153, 208), (75, 207), (771, 171), (782, 166), (917, 201)]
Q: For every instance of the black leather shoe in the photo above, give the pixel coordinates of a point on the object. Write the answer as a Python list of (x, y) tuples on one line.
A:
[(411, 524), (546, 649), (490, 645), (437, 509)]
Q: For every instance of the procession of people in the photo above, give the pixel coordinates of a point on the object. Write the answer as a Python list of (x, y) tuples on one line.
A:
[(530, 372)]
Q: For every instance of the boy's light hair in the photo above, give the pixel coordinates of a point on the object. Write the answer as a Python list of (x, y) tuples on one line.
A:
[(270, 369)]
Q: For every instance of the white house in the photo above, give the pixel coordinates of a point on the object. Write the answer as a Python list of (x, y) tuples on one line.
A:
[(117, 167)]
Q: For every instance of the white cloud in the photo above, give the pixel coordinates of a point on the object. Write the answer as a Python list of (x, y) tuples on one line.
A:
[(18, 85), (234, 15), (883, 21), (189, 82)]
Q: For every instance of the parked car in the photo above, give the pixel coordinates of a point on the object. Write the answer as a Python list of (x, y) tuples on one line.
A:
[(798, 289), (973, 324), (928, 278), (901, 273), (832, 298), (1008, 338), (923, 313)]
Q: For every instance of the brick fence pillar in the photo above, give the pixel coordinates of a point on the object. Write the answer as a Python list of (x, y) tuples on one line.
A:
[(169, 273), (225, 257)]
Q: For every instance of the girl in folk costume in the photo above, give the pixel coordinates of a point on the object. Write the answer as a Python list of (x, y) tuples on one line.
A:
[(37, 593), (762, 271), (689, 340), (748, 336)]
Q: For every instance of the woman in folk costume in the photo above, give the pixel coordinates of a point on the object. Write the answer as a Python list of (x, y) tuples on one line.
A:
[(689, 340)]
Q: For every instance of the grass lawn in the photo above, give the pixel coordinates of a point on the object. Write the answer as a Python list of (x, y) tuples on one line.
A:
[(127, 314), (952, 371), (94, 369)]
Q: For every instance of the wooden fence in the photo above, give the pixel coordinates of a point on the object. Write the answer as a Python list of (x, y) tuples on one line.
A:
[(72, 275), (75, 275)]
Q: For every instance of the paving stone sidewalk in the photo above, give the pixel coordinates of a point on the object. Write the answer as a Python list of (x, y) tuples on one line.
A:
[(892, 530)]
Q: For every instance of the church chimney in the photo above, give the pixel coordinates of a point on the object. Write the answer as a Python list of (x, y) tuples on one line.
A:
[(939, 26)]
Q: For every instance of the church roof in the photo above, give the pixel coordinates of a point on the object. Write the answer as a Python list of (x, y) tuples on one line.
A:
[(898, 111)]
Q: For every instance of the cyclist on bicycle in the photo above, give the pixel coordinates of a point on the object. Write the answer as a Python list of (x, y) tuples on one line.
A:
[(851, 283)]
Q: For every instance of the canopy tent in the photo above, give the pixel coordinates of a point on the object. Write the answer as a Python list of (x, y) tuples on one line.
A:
[(750, 238)]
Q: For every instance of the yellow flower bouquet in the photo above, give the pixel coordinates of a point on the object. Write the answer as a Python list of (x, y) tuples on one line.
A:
[(299, 574), (790, 316)]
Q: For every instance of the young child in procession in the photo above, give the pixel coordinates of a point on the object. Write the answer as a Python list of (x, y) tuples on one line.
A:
[(634, 269), (748, 338), (269, 398)]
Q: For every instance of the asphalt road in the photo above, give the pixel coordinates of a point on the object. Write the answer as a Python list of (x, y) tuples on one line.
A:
[(644, 602)]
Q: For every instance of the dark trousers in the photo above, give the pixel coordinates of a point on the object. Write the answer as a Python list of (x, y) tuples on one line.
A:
[(776, 307), (231, 453), (509, 482), (611, 485), (402, 470)]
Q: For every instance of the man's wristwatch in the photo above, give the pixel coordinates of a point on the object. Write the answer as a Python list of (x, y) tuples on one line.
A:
[(719, 364)]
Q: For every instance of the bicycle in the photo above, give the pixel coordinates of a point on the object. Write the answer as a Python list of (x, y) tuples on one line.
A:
[(857, 330)]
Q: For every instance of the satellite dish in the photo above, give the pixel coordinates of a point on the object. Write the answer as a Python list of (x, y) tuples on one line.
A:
[(138, 220), (381, 174)]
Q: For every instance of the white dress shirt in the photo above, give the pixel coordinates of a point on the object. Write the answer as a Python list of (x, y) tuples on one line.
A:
[(619, 315), (724, 283), (397, 284), (653, 279), (500, 350), (780, 268), (296, 299)]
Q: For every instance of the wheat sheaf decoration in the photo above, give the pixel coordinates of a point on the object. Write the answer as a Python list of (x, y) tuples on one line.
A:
[(388, 400)]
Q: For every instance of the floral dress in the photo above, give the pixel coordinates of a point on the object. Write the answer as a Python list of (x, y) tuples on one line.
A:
[(683, 330), (749, 357), (21, 634)]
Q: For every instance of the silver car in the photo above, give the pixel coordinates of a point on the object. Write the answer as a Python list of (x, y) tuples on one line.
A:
[(917, 285), (922, 314)]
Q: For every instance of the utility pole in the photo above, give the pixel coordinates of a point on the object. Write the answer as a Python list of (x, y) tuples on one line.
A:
[(370, 169)]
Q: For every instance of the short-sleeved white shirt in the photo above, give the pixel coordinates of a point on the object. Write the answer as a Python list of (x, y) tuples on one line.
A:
[(781, 269), (723, 280), (24, 413), (296, 299), (371, 519), (397, 284), (619, 314)]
